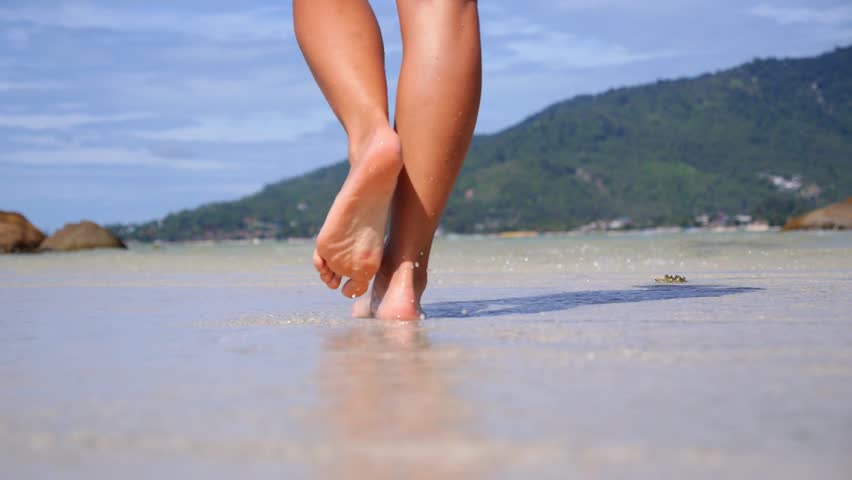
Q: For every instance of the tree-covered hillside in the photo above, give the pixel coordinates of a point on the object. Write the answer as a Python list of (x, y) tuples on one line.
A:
[(770, 138)]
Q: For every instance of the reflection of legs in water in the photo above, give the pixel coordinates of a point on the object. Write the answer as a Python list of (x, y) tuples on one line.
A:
[(343, 47), (392, 410), (436, 108)]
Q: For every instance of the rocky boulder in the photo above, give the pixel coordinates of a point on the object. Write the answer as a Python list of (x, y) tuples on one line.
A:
[(17, 234), (81, 236), (837, 216)]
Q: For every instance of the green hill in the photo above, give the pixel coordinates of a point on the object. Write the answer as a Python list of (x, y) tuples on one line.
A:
[(770, 138)]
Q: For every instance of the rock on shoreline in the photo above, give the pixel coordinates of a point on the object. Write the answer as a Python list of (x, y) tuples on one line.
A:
[(17, 234), (837, 216), (81, 236)]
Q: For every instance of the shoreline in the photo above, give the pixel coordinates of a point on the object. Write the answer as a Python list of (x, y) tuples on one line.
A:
[(505, 235)]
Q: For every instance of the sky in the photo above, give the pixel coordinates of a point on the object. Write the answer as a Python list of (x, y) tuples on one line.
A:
[(120, 111)]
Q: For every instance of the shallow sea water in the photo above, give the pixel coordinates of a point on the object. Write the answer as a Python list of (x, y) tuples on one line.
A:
[(552, 357)]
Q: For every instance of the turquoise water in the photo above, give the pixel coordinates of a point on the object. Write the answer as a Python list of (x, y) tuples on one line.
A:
[(551, 357)]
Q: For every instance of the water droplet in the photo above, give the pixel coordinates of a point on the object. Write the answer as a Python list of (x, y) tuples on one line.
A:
[(416, 264), (422, 316), (464, 311)]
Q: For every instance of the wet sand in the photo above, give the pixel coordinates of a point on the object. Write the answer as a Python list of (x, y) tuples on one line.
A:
[(551, 357)]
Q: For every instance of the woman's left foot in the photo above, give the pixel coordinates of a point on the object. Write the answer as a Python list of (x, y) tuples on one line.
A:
[(351, 240)]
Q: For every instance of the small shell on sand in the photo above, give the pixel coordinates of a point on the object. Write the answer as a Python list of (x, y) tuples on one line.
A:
[(671, 279)]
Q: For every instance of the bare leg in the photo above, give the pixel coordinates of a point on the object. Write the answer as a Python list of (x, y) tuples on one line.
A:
[(436, 108), (342, 44)]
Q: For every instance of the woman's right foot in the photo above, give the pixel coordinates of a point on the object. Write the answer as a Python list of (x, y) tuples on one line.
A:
[(396, 293), (351, 241)]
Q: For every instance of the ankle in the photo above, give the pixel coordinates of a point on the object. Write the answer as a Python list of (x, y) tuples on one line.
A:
[(362, 137), (405, 273)]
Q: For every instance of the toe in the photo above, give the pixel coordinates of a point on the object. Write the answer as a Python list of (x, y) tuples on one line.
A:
[(355, 288), (335, 282), (318, 262), (326, 276)]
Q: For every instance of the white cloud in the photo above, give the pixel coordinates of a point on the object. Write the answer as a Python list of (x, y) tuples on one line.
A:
[(510, 27), (104, 157), (62, 120), (588, 4), (29, 86), (254, 24), (794, 15), (68, 106), (217, 53), (564, 50), (621, 5), (38, 140), (224, 188), (228, 92), (254, 128), (519, 41)]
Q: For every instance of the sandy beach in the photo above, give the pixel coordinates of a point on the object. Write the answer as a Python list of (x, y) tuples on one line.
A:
[(548, 357)]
